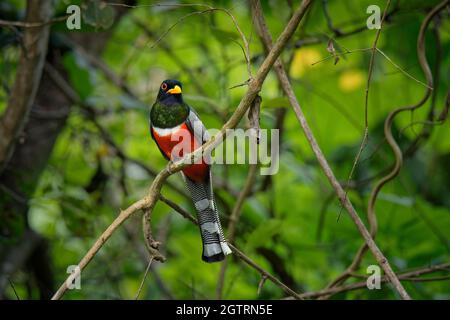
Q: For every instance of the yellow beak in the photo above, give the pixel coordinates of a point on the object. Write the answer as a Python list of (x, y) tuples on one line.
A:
[(175, 90)]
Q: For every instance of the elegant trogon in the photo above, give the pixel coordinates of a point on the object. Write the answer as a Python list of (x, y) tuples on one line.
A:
[(177, 130)]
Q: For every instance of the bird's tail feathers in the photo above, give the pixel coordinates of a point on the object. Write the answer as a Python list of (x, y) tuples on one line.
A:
[(215, 247)]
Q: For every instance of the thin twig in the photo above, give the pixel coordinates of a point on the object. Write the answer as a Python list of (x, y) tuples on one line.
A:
[(261, 284), (240, 255), (406, 276), (402, 70), (25, 24), (317, 39), (173, 56), (392, 142), (326, 13), (151, 244), (263, 272), (372, 222), (406, 73), (340, 55), (234, 218), (157, 5), (14, 289), (144, 278)]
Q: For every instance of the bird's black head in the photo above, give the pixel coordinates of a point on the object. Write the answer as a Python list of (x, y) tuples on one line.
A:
[(170, 91)]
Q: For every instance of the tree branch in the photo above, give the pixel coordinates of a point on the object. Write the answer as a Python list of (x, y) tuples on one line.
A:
[(373, 225), (30, 24), (28, 76)]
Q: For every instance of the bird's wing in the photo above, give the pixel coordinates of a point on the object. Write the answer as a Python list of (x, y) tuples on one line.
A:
[(197, 127)]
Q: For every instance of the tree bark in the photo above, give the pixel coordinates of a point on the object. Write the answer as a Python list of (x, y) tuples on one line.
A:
[(28, 76)]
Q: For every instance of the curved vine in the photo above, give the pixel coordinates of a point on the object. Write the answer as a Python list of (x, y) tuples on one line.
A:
[(371, 215)]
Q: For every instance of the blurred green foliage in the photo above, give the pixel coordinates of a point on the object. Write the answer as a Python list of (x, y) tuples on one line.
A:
[(412, 211)]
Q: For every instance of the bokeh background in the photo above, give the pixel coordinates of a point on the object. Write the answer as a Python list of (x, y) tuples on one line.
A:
[(79, 162)]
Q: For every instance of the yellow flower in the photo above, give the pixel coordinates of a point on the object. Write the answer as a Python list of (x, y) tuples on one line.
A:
[(303, 60), (351, 80)]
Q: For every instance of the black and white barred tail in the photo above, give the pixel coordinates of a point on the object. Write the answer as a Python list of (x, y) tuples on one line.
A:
[(215, 247)]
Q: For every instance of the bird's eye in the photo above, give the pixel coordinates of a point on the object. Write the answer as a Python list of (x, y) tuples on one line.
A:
[(164, 86)]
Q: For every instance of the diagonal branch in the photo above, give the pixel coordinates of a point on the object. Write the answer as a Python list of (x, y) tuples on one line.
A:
[(149, 201), (32, 24), (284, 82)]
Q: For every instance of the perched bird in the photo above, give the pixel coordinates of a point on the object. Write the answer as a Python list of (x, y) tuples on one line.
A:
[(177, 131)]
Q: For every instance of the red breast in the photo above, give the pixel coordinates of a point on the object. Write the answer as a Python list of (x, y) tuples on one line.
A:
[(183, 140)]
